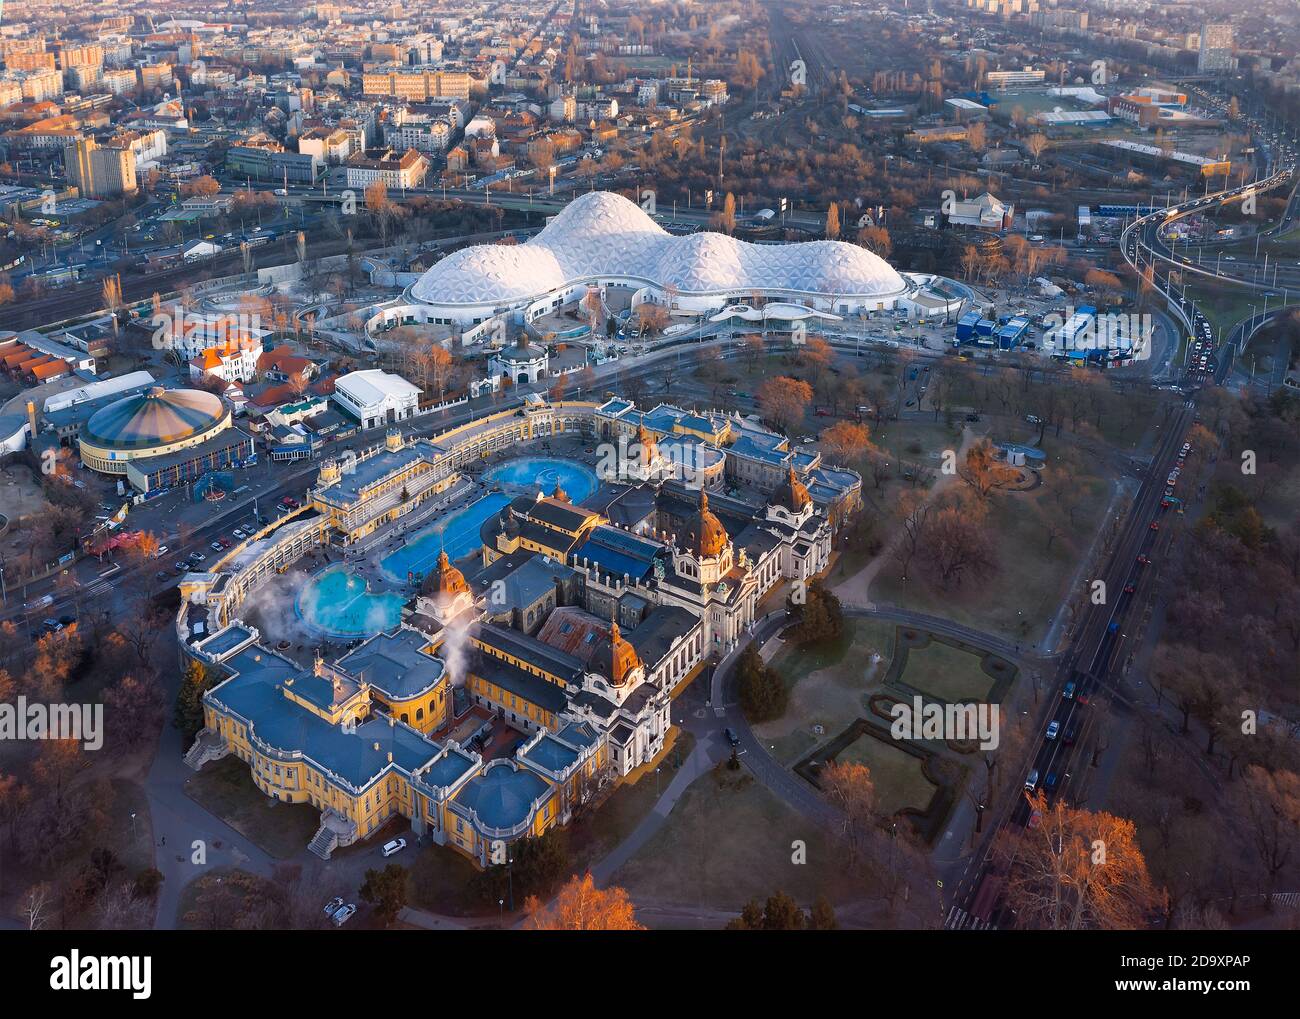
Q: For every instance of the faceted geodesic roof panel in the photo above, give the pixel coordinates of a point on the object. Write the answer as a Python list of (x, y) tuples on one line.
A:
[(602, 235)]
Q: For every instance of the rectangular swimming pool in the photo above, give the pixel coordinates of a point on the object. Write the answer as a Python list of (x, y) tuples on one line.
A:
[(458, 534)]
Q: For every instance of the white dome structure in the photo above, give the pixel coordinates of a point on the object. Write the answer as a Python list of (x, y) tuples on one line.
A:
[(602, 238)]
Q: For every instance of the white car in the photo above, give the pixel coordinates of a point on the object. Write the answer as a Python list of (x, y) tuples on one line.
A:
[(1053, 730), (333, 905), (394, 847), (343, 914), (215, 546)]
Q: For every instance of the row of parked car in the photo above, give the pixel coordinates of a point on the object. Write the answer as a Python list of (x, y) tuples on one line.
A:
[(220, 544)]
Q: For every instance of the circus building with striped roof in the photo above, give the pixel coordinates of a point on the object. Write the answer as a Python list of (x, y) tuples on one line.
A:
[(163, 437)]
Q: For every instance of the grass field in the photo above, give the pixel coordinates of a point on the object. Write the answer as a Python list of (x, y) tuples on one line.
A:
[(949, 673), (828, 686), (897, 775), (599, 832), (918, 441), (224, 788), (737, 838), (443, 881), (1224, 308)]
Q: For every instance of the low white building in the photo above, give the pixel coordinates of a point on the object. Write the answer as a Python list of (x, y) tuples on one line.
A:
[(982, 213), (96, 390), (376, 397)]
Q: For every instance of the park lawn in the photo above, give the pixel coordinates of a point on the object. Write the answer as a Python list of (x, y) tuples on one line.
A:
[(441, 880), (727, 841), (896, 774), (226, 789), (1019, 600), (828, 685), (946, 672), (917, 441), (593, 835)]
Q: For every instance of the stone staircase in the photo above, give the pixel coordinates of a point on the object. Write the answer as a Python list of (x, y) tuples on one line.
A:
[(334, 831), (208, 746), (324, 842)]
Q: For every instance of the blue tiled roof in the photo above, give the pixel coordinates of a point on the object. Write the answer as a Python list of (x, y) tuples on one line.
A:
[(448, 768), (579, 734), (375, 468), (748, 446), (395, 664), (501, 796), (358, 758), (551, 754), (228, 639), (618, 552)]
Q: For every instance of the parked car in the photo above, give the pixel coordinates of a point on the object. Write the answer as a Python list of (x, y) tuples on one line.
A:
[(343, 914), (394, 847), (333, 905)]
